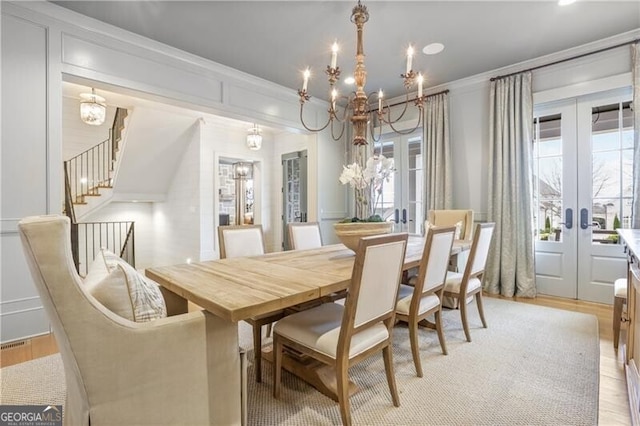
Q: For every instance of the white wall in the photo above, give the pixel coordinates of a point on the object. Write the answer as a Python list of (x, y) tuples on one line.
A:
[(176, 221)]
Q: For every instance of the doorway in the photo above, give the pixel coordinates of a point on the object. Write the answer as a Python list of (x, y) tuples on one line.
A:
[(583, 159), (401, 198), (294, 191)]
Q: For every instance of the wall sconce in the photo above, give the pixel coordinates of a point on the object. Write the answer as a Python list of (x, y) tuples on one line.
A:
[(92, 108), (254, 138)]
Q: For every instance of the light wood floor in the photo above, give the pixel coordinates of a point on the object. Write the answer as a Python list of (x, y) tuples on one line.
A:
[(613, 405)]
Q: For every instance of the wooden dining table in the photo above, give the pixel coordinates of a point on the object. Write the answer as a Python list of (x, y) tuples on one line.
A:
[(240, 288)]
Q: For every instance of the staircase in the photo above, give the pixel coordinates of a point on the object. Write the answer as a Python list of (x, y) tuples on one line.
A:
[(88, 175), (91, 171)]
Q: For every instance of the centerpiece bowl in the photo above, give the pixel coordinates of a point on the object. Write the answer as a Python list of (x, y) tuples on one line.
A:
[(349, 233)]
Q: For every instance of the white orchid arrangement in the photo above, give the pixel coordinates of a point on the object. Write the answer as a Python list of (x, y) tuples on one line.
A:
[(368, 184)]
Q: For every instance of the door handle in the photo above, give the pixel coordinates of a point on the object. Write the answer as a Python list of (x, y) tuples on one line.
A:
[(568, 219), (404, 215), (396, 216), (584, 218)]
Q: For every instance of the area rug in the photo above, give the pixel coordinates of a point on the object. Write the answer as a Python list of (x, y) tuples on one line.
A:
[(532, 366)]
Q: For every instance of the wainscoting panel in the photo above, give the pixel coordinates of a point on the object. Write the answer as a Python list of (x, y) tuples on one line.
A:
[(122, 63), (24, 168), (21, 312), (276, 107)]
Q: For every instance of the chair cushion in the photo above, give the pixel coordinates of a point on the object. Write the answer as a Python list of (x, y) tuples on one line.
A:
[(405, 294), (454, 279), (620, 288), (123, 290), (319, 329)]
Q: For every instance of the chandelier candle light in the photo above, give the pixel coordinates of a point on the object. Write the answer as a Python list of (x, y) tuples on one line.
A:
[(358, 109)]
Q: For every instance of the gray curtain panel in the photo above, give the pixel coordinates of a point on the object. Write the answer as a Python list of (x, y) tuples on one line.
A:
[(437, 155), (635, 65), (510, 265)]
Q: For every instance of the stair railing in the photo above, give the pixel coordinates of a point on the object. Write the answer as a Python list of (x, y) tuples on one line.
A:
[(70, 211), (117, 237), (90, 170), (93, 169), (84, 175)]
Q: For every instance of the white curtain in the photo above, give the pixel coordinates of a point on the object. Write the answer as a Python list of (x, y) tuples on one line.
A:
[(510, 266), (437, 155), (635, 65)]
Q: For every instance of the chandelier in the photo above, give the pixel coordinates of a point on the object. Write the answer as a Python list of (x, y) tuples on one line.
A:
[(358, 110), (92, 108), (254, 138)]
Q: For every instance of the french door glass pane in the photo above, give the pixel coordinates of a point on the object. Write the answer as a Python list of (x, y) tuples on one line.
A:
[(612, 165), (548, 180), (384, 205)]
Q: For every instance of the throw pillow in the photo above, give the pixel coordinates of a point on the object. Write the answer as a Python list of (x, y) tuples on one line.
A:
[(124, 291)]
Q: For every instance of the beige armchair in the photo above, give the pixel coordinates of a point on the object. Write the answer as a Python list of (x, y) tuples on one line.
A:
[(183, 369), (450, 218)]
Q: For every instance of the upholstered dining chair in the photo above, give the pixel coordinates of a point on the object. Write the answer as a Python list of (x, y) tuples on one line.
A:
[(416, 303), (342, 336), (244, 241), (304, 235), (451, 218), (461, 286), (177, 369)]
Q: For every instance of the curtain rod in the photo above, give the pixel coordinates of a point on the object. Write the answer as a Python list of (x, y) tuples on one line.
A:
[(426, 96), (566, 59)]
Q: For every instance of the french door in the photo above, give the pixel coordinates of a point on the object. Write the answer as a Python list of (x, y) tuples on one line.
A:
[(583, 162), (401, 200)]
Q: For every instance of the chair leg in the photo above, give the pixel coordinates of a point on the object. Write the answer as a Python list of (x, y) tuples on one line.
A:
[(269, 329), (257, 351), (415, 347), (391, 375), (342, 376), (617, 318), (443, 343), (481, 308), (277, 366), (465, 324)]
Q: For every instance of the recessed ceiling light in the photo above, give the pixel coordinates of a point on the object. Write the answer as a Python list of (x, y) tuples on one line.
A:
[(565, 2), (349, 80), (433, 48)]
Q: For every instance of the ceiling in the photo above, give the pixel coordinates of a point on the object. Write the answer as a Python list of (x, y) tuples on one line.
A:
[(278, 40)]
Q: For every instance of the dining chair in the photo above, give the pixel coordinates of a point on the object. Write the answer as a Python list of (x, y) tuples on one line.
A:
[(244, 241), (304, 235), (451, 218), (461, 286), (342, 336), (416, 303)]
